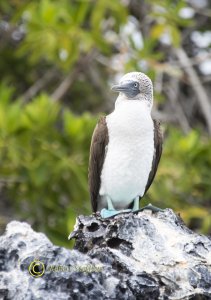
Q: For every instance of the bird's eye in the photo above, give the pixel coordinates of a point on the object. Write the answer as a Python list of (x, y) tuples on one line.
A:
[(135, 85)]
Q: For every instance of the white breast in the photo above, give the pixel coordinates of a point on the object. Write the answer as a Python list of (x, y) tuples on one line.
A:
[(129, 155)]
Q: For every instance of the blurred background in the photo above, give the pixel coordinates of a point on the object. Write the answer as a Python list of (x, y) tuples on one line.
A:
[(58, 60)]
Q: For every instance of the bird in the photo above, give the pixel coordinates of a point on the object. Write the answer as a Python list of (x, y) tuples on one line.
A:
[(126, 148)]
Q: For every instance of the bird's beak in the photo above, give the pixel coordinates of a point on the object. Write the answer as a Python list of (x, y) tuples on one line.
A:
[(116, 88), (121, 87)]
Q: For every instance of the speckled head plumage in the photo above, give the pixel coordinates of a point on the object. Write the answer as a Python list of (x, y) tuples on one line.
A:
[(135, 86)]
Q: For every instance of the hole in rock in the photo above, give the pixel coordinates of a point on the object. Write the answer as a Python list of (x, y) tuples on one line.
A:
[(114, 242), (93, 227)]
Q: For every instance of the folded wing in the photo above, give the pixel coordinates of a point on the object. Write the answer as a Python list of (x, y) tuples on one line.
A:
[(96, 159), (158, 141)]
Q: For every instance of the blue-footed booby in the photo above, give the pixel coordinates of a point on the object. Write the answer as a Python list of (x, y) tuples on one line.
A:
[(125, 149)]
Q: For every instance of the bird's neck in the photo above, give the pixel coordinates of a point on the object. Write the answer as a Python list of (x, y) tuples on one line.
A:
[(141, 103)]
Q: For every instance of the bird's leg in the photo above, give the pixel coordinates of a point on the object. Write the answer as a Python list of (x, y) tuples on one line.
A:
[(106, 213), (110, 204), (136, 204), (150, 207)]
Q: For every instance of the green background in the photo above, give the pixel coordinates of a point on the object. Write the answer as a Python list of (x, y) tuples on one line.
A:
[(58, 61)]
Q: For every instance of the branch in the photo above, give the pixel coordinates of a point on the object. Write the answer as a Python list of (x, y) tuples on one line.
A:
[(172, 91), (163, 117), (206, 13), (38, 85), (63, 87), (197, 86), (96, 79)]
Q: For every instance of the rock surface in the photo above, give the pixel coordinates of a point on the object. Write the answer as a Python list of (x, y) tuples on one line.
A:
[(131, 256)]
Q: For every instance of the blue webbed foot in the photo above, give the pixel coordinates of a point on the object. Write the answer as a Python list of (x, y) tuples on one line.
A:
[(106, 213), (150, 207)]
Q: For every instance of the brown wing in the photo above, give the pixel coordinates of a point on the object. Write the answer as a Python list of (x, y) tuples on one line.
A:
[(96, 159), (158, 141)]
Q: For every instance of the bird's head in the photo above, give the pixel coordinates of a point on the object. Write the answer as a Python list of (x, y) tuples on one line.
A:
[(135, 86)]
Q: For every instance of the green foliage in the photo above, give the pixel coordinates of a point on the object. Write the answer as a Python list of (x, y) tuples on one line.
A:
[(44, 147), (166, 20), (43, 162), (169, 21), (183, 179), (44, 158), (61, 31)]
